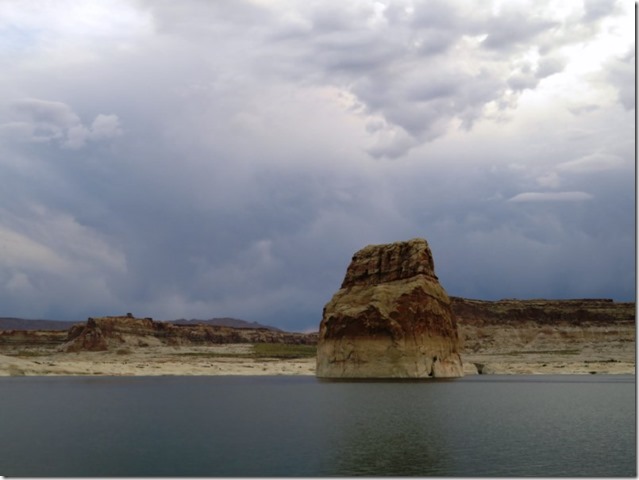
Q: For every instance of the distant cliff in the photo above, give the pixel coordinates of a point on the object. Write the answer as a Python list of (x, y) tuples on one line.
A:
[(110, 332), (520, 326), (107, 333), (546, 312)]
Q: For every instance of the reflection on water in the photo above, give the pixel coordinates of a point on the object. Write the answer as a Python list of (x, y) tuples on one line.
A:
[(386, 428)]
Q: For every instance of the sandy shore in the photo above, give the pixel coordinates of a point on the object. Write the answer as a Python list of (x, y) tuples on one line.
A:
[(545, 365), (211, 360), (236, 359)]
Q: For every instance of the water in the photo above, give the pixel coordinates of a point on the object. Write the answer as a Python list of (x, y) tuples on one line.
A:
[(300, 426)]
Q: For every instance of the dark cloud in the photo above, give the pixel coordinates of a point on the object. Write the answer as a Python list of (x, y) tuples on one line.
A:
[(514, 29), (621, 75), (595, 10), (38, 120), (550, 65), (227, 158)]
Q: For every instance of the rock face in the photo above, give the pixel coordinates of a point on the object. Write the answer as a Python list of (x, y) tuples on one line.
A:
[(523, 327), (580, 311), (390, 319)]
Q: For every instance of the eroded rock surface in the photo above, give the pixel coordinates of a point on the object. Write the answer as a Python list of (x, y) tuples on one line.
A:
[(391, 318)]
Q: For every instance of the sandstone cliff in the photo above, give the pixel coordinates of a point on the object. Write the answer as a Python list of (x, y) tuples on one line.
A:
[(586, 334), (390, 319)]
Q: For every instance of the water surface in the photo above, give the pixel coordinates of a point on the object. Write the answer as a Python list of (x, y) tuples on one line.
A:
[(485, 425)]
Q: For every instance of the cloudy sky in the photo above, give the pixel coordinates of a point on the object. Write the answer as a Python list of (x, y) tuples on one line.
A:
[(196, 159)]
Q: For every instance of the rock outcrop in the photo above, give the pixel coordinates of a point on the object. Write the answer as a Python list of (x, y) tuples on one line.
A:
[(107, 333), (391, 318)]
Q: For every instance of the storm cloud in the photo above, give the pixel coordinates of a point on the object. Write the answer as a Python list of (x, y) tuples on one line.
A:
[(200, 159)]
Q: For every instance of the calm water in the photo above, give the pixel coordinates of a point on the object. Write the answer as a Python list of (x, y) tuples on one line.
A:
[(299, 426)]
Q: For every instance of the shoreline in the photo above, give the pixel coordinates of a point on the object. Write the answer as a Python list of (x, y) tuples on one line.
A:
[(236, 360)]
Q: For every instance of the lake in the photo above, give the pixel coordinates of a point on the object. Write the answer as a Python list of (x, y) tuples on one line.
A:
[(569, 425)]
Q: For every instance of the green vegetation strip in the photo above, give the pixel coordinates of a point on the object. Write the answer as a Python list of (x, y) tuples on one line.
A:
[(263, 350), (281, 350)]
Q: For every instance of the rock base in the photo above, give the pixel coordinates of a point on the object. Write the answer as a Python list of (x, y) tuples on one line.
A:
[(384, 359)]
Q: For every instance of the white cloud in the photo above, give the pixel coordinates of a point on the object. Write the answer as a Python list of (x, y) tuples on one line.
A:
[(594, 162), (104, 127), (42, 239), (551, 197), (44, 35), (20, 251)]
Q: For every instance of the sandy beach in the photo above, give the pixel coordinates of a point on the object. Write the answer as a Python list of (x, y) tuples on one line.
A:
[(236, 359)]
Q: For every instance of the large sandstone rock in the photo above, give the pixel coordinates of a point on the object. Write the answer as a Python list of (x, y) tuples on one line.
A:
[(390, 319)]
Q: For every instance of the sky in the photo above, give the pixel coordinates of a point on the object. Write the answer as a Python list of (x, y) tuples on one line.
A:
[(196, 159)]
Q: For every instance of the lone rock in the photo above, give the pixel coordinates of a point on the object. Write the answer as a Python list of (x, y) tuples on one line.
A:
[(390, 319)]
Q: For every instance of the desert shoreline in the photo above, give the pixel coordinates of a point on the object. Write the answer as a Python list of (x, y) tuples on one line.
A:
[(234, 360)]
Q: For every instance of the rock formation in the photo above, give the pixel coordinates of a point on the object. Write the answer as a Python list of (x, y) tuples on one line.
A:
[(390, 319), (32, 338), (107, 333)]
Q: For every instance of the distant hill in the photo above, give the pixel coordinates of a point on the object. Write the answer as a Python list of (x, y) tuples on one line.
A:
[(11, 323)]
